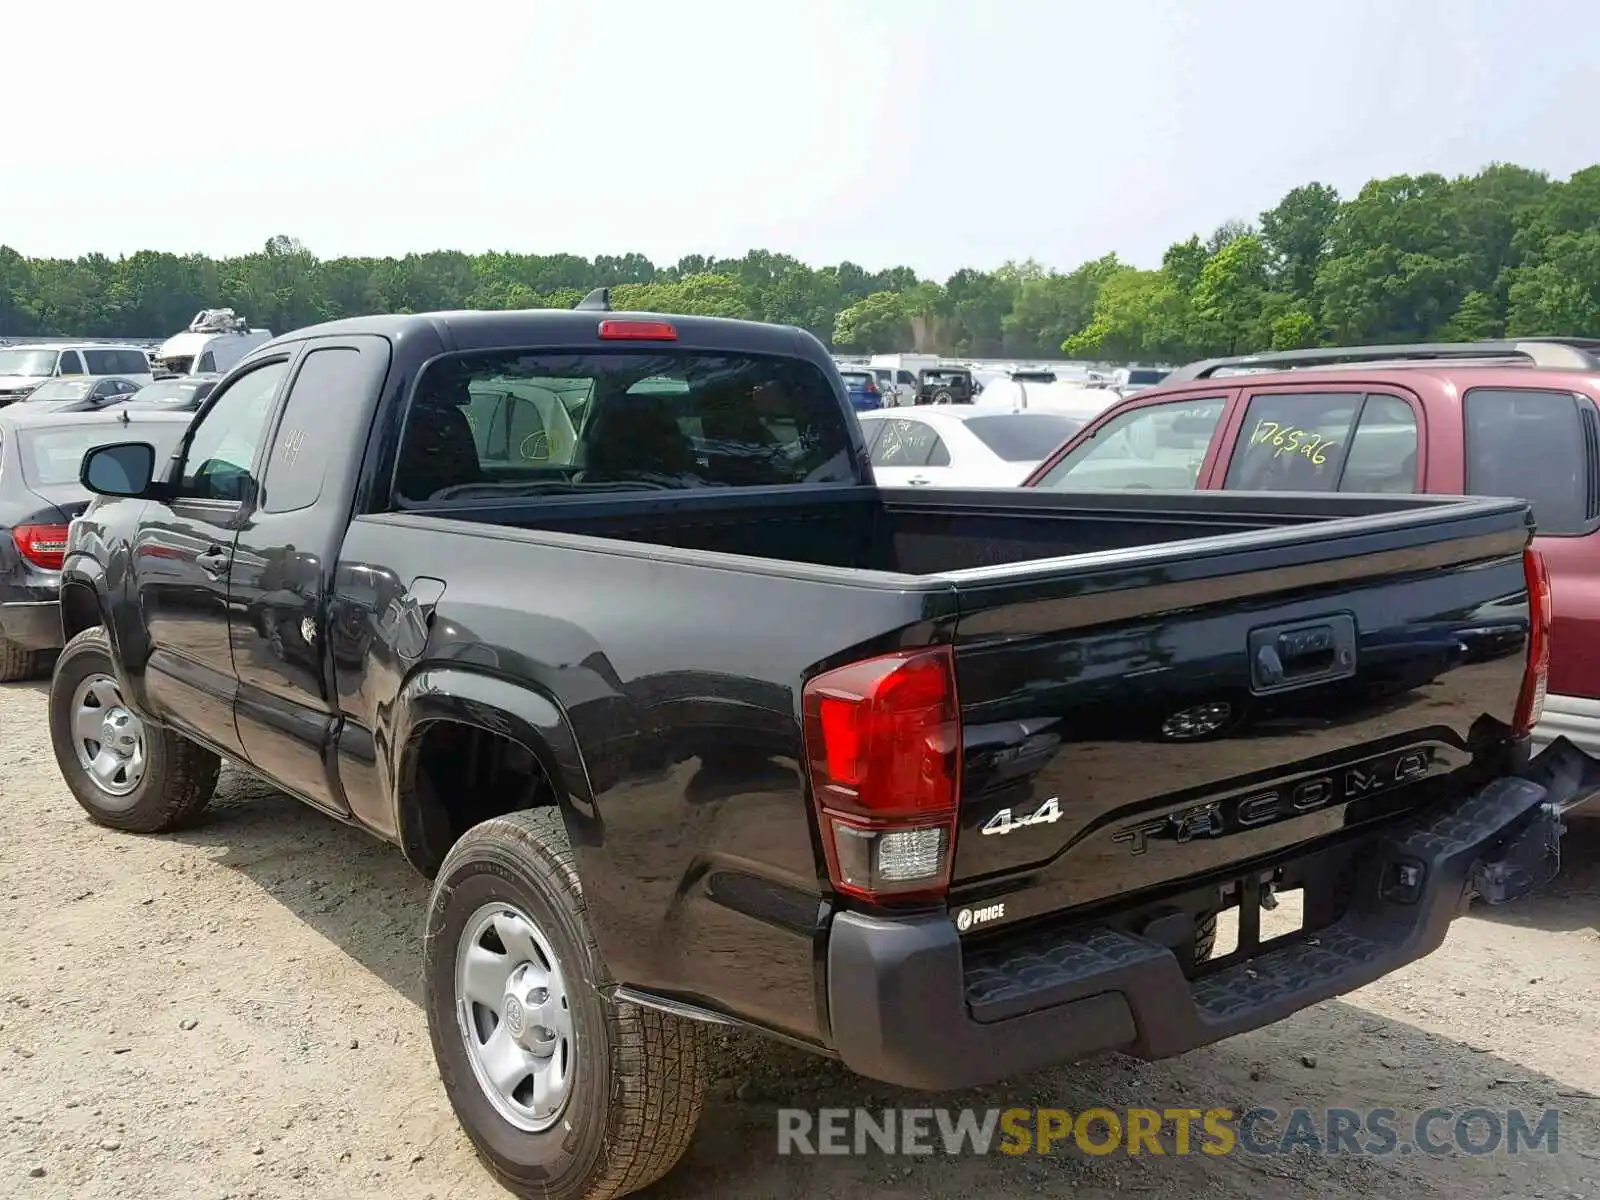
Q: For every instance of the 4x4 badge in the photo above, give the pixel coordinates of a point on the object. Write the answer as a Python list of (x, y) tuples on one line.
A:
[(1047, 813)]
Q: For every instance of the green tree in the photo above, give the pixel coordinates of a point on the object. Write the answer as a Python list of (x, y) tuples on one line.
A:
[(1229, 300), (876, 324), (1296, 233), (1050, 308), (1561, 293), (1138, 316), (696, 295)]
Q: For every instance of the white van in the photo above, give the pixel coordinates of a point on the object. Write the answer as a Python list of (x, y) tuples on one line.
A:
[(23, 368), (215, 340)]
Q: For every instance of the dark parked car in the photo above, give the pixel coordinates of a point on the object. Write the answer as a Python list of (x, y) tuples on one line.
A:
[(693, 724), (79, 395), (945, 385), (40, 452), (181, 393)]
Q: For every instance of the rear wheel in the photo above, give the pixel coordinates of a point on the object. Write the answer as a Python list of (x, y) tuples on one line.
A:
[(126, 774), (942, 396), (15, 662), (567, 1095)]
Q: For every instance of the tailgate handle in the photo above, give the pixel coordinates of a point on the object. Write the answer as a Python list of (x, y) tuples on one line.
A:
[(1290, 656)]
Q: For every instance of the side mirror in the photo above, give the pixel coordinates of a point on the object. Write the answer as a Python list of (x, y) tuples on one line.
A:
[(123, 469)]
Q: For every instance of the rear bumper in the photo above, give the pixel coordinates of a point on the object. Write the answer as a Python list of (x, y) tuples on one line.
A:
[(32, 624), (911, 1006)]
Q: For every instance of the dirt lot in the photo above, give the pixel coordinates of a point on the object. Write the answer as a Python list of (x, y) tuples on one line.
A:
[(235, 1012)]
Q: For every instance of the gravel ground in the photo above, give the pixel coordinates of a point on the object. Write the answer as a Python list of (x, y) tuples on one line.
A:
[(235, 1011)]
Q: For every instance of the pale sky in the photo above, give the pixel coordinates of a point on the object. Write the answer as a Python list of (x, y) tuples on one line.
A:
[(932, 133)]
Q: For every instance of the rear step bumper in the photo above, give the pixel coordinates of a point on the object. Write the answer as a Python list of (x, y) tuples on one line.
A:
[(909, 1008)]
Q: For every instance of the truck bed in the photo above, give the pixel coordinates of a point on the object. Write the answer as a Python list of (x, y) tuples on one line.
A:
[(929, 532)]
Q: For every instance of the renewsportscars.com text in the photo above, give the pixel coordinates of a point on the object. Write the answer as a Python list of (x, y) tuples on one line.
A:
[(1370, 1132)]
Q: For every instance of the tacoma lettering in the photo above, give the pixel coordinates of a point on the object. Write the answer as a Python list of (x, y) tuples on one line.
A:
[(1272, 804)]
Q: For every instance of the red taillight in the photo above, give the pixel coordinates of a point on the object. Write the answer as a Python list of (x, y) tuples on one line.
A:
[(638, 331), (872, 388), (883, 743), (1541, 613), (42, 545)]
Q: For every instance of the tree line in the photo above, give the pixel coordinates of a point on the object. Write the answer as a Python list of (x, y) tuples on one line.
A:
[(1506, 252)]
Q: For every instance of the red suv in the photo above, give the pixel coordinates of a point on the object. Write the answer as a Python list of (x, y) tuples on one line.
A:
[(1504, 418)]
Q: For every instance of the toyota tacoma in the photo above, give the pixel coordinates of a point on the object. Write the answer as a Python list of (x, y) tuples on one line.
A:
[(601, 619)]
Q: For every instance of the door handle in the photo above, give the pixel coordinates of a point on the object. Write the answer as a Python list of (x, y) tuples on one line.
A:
[(214, 561), (918, 481)]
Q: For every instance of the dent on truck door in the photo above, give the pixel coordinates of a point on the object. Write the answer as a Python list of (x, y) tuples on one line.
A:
[(181, 556), (287, 706)]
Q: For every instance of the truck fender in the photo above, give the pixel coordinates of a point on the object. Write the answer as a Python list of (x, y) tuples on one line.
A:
[(83, 600), (85, 603), (521, 712)]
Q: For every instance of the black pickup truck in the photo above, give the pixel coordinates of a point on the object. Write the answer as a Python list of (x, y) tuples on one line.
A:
[(600, 618)]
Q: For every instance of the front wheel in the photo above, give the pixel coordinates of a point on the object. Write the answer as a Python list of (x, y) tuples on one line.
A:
[(126, 774), (566, 1095)]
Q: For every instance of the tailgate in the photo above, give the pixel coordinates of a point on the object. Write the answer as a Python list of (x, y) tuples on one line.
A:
[(1136, 719)]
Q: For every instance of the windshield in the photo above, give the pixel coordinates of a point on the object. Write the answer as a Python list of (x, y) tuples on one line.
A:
[(1023, 437), (61, 389), (18, 361), (116, 362), (174, 393), (53, 456), (565, 422)]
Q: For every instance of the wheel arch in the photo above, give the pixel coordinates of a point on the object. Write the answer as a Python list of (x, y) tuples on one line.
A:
[(85, 605), (442, 710), (82, 607)]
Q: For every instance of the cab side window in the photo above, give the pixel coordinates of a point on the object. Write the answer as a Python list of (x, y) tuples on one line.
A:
[(325, 401), (1539, 446), (69, 363), (1160, 446), (1383, 452), (1325, 442), (223, 445)]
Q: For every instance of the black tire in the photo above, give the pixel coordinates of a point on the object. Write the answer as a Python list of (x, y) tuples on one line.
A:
[(1205, 938), (943, 397), (179, 777), (15, 662), (639, 1085)]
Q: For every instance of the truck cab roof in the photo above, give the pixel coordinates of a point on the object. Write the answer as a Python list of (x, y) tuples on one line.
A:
[(479, 330)]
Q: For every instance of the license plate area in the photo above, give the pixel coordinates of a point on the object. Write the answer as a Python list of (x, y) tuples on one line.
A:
[(1263, 910)]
